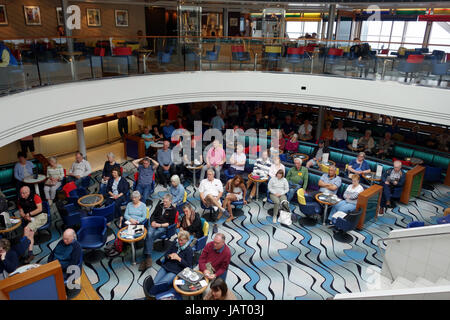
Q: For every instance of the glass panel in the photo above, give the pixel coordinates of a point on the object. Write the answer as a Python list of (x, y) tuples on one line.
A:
[(439, 35), (415, 32)]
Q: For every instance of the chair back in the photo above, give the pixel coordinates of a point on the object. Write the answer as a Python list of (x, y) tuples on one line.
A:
[(415, 224), (415, 58), (239, 48), (122, 51), (99, 52), (384, 51), (335, 52), (205, 226), (107, 212), (353, 218), (273, 51), (301, 197), (201, 243), (440, 69), (296, 51)]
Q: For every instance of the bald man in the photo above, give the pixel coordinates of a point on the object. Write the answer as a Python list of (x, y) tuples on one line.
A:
[(30, 209), (67, 251), (392, 181)]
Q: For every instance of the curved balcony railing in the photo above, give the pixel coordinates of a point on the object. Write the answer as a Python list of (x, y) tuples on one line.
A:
[(48, 61)]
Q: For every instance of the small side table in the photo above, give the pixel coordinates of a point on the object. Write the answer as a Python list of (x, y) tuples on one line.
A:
[(257, 181), (32, 180), (131, 241), (194, 173), (415, 161), (190, 294), (371, 177), (90, 201), (327, 202)]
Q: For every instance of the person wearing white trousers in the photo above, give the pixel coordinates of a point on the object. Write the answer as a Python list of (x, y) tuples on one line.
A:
[(55, 174)]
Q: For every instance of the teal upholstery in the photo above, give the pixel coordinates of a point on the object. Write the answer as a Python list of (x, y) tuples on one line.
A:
[(336, 156), (425, 156), (373, 165), (441, 162), (342, 189), (313, 179), (347, 158), (403, 152), (305, 149)]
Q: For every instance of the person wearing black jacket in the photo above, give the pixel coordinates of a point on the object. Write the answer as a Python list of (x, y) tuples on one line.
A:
[(317, 154), (116, 191), (107, 171), (8, 258), (163, 216), (178, 257), (67, 251), (191, 222), (392, 181)]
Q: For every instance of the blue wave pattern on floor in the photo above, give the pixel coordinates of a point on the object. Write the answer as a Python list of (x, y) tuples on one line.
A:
[(268, 261)]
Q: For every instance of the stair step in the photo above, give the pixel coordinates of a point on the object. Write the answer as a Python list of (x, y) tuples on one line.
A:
[(443, 282), (402, 283), (422, 282)]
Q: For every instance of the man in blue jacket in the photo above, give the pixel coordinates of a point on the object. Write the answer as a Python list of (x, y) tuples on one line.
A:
[(67, 251), (392, 181)]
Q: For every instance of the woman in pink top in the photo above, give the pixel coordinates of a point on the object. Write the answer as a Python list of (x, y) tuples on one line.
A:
[(215, 158), (292, 144)]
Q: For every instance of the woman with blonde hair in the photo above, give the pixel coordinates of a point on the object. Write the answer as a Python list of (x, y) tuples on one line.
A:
[(55, 174)]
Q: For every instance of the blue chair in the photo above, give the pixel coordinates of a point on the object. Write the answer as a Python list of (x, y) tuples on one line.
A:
[(170, 232), (440, 69), (210, 209), (228, 175), (212, 55), (72, 216), (412, 64), (198, 248), (46, 209), (92, 234), (443, 220), (191, 58), (272, 54), (333, 57), (86, 182), (415, 224), (238, 54), (71, 293), (342, 226), (21, 248), (107, 212), (295, 56), (309, 207), (224, 275), (433, 174), (164, 57)]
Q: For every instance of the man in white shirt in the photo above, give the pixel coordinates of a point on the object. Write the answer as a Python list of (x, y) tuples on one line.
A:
[(237, 161), (304, 132), (211, 191), (80, 168), (340, 135)]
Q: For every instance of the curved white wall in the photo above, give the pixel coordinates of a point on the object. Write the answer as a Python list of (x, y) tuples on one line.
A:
[(35, 110)]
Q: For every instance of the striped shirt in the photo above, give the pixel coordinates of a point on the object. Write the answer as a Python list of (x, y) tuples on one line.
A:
[(263, 165), (352, 193), (57, 172)]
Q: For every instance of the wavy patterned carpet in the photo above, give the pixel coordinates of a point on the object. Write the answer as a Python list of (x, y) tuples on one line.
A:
[(271, 261)]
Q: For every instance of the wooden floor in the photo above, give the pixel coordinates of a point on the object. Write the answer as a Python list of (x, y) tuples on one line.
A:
[(87, 290)]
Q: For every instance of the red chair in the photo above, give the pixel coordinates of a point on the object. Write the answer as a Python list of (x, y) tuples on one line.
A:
[(99, 52), (122, 51), (239, 54), (384, 51), (415, 58), (333, 57), (335, 52), (447, 59)]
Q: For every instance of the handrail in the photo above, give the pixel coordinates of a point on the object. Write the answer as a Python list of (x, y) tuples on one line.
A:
[(404, 237)]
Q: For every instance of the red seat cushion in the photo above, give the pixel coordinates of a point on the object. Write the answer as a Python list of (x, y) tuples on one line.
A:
[(237, 49), (122, 51), (335, 52), (99, 52), (415, 58), (300, 50)]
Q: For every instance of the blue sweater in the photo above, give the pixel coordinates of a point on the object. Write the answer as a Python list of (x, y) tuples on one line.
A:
[(67, 255), (177, 194), (10, 263), (175, 266), (139, 213), (19, 173)]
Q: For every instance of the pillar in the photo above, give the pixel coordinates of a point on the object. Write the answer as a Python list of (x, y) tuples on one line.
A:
[(225, 22), (320, 122), (80, 136), (331, 17)]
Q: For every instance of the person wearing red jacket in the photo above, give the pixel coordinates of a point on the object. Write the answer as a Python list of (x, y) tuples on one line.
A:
[(217, 255)]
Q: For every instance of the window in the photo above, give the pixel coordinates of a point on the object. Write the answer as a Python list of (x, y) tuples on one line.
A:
[(415, 31), (377, 33), (397, 34), (297, 29), (439, 35)]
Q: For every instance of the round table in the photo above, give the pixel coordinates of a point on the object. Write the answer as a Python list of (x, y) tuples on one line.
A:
[(90, 200), (7, 232), (302, 156), (31, 180), (190, 293), (326, 202), (327, 164), (415, 161), (157, 145), (371, 177), (194, 169), (257, 181), (358, 149), (131, 241)]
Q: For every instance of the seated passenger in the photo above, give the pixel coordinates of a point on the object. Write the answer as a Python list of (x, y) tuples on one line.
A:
[(178, 257), (327, 133), (55, 174), (215, 258), (367, 142), (385, 147), (80, 168), (107, 171), (317, 154), (67, 251), (236, 191), (329, 182), (292, 144), (8, 258), (278, 136), (350, 196), (278, 188), (275, 167), (287, 128), (166, 164), (340, 135), (136, 210), (392, 181), (217, 122), (211, 191), (218, 290), (149, 139), (215, 158), (22, 169), (30, 209), (145, 179), (191, 222), (305, 131), (163, 216), (237, 161), (116, 192), (262, 164), (167, 130), (157, 135), (432, 142), (177, 191), (358, 166), (297, 178)]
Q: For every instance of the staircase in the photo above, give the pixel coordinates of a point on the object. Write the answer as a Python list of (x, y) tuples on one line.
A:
[(401, 289)]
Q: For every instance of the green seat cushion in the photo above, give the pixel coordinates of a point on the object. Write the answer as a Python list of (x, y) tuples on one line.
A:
[(425, 156), (305, 149), (373, 165), (441, 162), (403, 152), (346, 158), (6, 176)]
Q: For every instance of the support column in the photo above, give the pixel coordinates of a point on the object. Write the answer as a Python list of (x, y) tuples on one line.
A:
[(426, 37), (80, 136), (331, 17), (225, 22), (320, 122)]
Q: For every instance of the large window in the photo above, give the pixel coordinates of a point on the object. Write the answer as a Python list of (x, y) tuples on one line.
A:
[(439, 35), (376, 33), (296, 29), (397, 35), (415, 31)]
